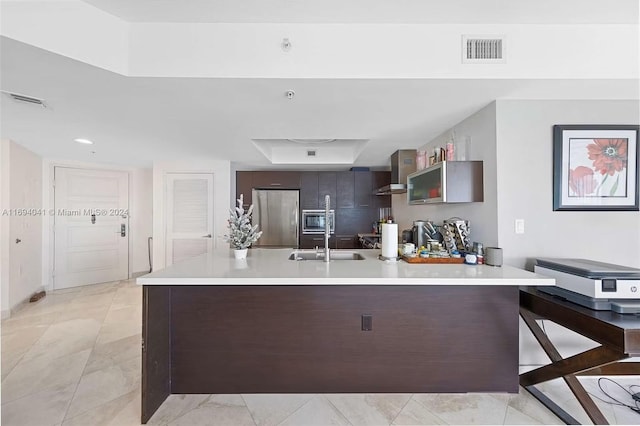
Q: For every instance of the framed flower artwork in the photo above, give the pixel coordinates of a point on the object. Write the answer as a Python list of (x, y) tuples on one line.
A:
[(595, 167)]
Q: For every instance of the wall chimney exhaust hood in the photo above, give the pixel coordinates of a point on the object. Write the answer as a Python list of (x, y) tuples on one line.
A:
[(403, 163)]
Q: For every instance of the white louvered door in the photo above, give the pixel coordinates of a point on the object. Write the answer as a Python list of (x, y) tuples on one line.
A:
[(189, 215)]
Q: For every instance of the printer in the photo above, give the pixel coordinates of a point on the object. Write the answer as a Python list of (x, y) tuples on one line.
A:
[(596, 285)]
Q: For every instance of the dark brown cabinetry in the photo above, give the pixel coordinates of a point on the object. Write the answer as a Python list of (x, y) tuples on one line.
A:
[(345, 190), (327, 185), (309, 190), (234, 339), (276, 179), (335, 241), (363, 187), (346, 242), (380, 179), (246, 181), (313, 241), (244, 187), (352, 198)]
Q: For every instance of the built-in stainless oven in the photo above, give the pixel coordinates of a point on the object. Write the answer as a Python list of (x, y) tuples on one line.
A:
[(313, 221)]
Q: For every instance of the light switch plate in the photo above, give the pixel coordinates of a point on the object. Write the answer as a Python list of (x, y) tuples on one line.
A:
[(519, 226)]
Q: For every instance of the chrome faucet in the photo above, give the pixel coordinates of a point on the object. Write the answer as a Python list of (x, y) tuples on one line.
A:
[(327, 227)]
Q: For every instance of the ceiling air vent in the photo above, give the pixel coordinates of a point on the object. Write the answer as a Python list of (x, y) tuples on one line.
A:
[(483, 49), (27, 99)]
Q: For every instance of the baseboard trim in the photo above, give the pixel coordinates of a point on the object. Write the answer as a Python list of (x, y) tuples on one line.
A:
[(138, 274), (9, 312)]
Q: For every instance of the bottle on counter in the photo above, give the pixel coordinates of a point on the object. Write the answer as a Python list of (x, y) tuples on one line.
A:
[(450, 147)]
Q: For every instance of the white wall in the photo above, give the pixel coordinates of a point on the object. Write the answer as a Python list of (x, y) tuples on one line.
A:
[(140, 214), (319, 50), (4, 228), (483, 217), (21, 184), (379, 50), (141, 219), (221, 195), (25, 192), (525, 188)]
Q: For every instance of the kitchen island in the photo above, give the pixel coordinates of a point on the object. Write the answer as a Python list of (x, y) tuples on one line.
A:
[(267, 324)]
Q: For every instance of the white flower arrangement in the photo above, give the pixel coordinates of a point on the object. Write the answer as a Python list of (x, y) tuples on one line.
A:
[(241, 233)]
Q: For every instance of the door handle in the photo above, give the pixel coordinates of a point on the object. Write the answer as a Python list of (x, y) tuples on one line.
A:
[(206, 236), (123, 230)]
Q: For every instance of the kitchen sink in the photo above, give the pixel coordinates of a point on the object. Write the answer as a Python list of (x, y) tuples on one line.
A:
[(333, 255)]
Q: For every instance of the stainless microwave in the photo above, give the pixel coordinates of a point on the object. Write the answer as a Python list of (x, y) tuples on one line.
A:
[(313, 221)]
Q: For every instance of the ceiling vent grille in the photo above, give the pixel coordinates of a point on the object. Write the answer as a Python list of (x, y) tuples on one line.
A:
[(27, 99), (487, 50)]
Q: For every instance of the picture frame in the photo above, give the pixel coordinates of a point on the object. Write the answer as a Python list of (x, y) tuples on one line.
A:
[(595, 167)]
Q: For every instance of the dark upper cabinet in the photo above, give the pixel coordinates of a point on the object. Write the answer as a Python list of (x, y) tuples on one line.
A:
[(327, 182), (309, 190), (244, 187), (363, 185), (335, 242), (381, 179), (276, 180), (345, 190)]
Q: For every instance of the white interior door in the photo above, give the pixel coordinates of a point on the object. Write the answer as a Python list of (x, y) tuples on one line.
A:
[(189, 215), (91, 226)]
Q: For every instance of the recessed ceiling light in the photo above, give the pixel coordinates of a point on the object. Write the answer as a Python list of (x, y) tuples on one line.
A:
[(84, 141)]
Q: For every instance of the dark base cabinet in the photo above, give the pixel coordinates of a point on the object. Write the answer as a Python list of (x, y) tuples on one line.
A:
[(313, 241), (335, 242), (312, 339)]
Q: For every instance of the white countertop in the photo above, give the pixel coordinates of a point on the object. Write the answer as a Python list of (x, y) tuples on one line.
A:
[(272, 267)]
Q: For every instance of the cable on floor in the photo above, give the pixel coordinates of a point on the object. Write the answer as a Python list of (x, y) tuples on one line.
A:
[(635, 396)]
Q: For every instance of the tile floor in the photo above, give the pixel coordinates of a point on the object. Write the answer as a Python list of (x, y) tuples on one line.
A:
[(73, 358)]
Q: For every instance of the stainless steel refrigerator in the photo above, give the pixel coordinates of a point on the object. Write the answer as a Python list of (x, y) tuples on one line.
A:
[(276, 213)]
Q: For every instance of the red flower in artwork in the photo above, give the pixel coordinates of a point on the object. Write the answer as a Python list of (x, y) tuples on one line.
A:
[(608, 155), (581, 181)]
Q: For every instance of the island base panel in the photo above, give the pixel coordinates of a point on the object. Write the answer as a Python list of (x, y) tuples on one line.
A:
[(156, 348), (309, 339)]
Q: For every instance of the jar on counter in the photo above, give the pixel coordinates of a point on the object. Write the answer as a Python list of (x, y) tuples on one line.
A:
[(450, 151), (421, 160)]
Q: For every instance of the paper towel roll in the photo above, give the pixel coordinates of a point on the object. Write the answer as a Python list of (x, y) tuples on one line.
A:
[(390, 240)]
